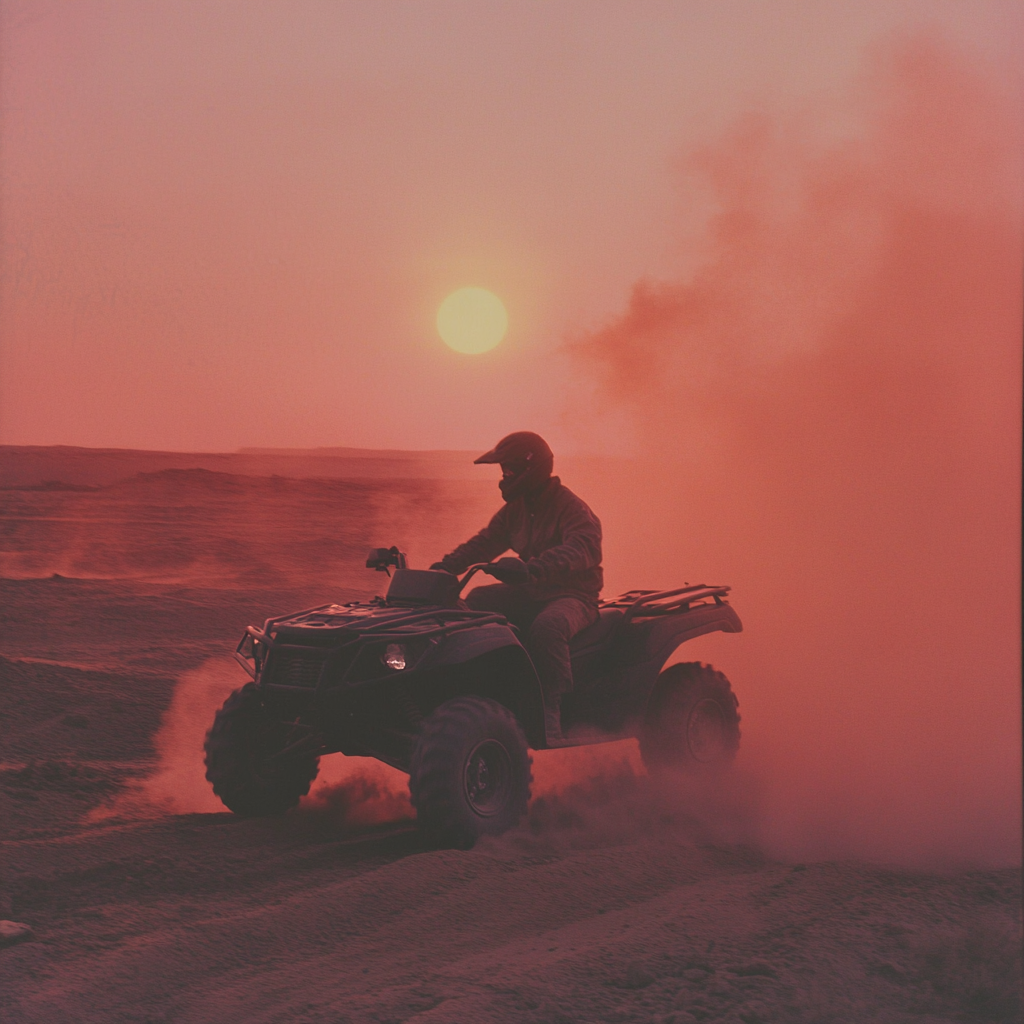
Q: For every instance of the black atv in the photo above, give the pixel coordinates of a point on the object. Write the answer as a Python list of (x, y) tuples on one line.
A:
[(450, 695)]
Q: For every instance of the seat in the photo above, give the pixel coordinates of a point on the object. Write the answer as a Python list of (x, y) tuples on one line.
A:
[(597, 632)]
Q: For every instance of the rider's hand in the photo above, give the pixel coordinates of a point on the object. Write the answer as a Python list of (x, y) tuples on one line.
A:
[(509, 570), (439, 567)]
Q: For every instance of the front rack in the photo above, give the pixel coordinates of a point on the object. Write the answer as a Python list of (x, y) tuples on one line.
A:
[(448, 620)]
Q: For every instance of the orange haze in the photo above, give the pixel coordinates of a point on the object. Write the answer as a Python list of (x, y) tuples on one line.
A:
[(231, 224), (833, 402)]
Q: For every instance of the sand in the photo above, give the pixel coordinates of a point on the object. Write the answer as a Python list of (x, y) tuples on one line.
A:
[(618, 899)]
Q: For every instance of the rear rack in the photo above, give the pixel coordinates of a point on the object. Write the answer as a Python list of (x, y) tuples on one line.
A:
[(650, 603)]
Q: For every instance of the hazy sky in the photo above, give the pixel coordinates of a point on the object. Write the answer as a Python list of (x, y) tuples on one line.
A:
[(232, 223)]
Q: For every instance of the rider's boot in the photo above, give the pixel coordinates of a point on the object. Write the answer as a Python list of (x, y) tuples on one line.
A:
[(553, 723)]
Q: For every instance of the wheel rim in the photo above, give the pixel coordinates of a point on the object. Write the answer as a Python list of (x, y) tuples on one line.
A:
[(705, 731), (488, 778)]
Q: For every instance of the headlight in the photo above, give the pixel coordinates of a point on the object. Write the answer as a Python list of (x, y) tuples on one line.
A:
[(394, 656)]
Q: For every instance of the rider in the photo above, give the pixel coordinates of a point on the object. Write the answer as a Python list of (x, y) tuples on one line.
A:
[(551, 590)]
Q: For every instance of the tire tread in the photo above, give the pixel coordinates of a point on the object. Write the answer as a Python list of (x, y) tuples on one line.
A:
[(660, 747), (435, 757), (228, 770)]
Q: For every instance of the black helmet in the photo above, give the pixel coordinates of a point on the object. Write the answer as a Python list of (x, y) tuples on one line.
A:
[(526, 459)]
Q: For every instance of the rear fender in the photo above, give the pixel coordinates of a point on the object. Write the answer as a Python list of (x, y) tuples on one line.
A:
[(656, 640), (662, 636)]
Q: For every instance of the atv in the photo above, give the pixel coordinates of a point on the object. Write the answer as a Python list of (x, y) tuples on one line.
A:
[(450, 696)]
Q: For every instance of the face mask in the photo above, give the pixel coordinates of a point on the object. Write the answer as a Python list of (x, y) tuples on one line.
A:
[(520, 479)]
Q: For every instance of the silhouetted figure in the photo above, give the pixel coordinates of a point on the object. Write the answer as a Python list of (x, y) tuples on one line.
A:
[(550, 591)]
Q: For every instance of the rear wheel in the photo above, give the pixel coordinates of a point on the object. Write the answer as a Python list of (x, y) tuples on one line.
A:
[(692, 723), (470, 772), (242, 762)]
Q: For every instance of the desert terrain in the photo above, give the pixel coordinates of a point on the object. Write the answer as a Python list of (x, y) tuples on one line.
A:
[(125, 582)]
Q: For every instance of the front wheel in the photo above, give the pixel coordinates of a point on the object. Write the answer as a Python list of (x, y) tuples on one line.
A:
[(692, 722), (243, 762), (470, 772)]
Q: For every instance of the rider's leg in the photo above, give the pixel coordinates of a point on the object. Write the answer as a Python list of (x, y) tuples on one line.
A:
[(506, 600), (548, 643)]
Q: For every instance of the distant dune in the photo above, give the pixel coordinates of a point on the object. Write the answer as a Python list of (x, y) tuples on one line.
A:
[(439, 455), (210, 528), (26, 465)]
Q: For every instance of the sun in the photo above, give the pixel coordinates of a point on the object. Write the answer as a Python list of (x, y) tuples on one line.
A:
[(472, 320)]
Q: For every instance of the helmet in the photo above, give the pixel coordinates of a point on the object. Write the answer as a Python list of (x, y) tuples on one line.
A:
[(526, 461)]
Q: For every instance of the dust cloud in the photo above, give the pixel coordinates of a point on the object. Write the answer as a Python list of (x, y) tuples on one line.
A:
[(356, 792), (178, 785), (353, 792), (829, 415)]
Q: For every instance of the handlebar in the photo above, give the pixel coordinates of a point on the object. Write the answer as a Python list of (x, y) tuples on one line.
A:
[(382, 559), (470, 573)]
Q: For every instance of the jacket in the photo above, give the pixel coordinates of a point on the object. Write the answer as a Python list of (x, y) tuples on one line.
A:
[(554, 532)]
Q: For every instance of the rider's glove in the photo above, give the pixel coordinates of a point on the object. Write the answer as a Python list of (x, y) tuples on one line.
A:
[(439, 566), (509, 570)]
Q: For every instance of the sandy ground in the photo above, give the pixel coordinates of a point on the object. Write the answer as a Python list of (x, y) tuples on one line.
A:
[(619, 899)]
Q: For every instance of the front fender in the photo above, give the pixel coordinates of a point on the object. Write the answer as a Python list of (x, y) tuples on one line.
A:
[(467, 644), (491, 662)]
